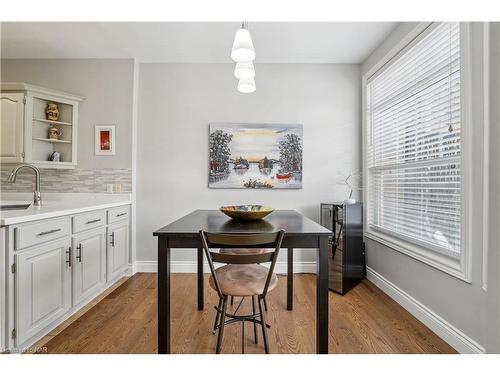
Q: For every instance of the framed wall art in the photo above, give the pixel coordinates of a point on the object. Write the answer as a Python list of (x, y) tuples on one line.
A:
[(105, 140), (255, 156)]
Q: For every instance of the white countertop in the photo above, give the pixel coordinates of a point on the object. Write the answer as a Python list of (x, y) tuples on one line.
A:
[(54, 204)]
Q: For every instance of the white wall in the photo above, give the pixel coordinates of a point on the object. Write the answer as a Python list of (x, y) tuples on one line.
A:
[(494, 212), (178, 101), (107, 86), (466, 307)]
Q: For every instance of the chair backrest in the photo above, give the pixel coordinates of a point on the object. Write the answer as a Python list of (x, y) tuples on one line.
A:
[(266, 240)]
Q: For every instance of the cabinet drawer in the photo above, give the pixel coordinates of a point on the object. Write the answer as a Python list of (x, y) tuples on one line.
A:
[(118, 214), (40, 231), (88, 220)]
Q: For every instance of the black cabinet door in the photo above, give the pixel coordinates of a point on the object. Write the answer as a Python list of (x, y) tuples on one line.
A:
[(353, 241), (347, 258)]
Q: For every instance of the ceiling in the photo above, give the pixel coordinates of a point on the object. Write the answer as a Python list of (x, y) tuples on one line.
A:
[(193, 42)]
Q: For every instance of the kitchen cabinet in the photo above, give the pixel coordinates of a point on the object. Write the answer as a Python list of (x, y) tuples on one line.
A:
[(118, 240), (25, 126), (50, 268), (3, 302), (42, 285), (12, 127), (88, 264)]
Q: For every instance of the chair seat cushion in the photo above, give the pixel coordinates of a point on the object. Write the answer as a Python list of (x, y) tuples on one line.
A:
[(244, 251), (242, 280)]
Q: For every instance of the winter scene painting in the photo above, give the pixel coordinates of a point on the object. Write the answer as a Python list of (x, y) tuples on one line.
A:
[(255, 156)]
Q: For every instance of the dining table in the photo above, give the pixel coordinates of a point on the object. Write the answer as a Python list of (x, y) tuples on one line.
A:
[(184, 233)]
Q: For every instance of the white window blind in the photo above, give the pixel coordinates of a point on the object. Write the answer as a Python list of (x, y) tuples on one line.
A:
[(413, 143)]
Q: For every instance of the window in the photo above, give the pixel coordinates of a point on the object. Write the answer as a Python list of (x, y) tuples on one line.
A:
[(413, 147)]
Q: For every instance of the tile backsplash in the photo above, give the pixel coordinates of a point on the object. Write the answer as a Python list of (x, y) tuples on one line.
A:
[(68, 180)]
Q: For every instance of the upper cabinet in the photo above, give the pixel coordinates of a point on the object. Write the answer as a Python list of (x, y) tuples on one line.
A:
[(12, 120), (39, 126)]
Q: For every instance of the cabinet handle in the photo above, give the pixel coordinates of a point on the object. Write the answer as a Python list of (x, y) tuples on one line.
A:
[(112, 242), (79, 254), (69, 256), (123, 213), (93, 221), (49, 232)]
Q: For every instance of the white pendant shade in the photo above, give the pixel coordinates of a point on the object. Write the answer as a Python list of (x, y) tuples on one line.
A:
[(244, 70), (243, 54), (246, 85), (242, 47)]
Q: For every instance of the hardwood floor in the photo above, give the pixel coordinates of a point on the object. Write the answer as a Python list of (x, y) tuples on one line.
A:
[(365, 320)]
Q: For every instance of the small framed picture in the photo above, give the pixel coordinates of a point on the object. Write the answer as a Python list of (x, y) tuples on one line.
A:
[(105, 140)]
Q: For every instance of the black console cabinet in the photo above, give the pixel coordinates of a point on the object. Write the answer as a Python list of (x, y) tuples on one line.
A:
[(347, 256)]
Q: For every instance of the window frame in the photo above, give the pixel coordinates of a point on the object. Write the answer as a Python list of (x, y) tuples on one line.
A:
[(460, 268)]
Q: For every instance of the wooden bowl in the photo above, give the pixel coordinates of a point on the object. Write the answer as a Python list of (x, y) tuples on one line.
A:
[(247, 212)]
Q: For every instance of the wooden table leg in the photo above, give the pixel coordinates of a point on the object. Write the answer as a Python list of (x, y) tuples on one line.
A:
[(289, 280), (322, 297), (201, 293), (163, 296)]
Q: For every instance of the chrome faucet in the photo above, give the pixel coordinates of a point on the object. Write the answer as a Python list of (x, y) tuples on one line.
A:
[(37, 195)]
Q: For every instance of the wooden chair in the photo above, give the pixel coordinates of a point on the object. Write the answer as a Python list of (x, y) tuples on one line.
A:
[(242, 276)]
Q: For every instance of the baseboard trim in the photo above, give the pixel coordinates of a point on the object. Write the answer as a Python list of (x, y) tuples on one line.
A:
[(449, 333), (191, 267)]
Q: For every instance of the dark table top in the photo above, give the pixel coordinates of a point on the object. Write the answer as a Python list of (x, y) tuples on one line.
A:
[(292, 222)]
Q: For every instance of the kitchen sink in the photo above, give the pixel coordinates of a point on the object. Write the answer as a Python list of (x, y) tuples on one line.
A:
[(14, 205)]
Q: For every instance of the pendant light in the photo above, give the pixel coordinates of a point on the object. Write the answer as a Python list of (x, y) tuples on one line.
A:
[(244, 70), (243, 54), (246, 85), (243, 50)]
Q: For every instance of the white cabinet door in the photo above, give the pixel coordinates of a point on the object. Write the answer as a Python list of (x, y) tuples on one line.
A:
[(118, 240), (43, 287), (89, 264), (3, 302), (11, 127)]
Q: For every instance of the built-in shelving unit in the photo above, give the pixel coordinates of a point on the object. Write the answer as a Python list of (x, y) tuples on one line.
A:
[(37, 147), (42, 147)]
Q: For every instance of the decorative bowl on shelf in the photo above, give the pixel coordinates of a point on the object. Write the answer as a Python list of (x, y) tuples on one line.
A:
[(247, 212)]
